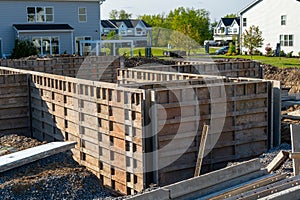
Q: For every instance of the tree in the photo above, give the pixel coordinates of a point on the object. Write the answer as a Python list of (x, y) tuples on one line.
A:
[(230, 16), (252, 38), (122, 14), (23, 48), (197, 21), (182, 41), (160, 29)]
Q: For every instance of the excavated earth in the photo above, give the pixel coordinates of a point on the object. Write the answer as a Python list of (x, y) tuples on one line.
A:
[(55, 177)]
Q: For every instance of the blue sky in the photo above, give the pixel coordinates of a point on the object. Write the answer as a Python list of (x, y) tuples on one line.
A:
[(217, 8)]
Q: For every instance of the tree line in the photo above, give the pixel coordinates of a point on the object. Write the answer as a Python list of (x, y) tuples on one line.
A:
[(187, 28), (184, 28)]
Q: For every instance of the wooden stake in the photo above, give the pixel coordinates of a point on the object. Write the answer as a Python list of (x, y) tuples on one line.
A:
[(201, 150)]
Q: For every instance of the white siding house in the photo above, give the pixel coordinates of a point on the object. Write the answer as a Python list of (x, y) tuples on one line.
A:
[(130, 29), (278, 20), (227, 29)]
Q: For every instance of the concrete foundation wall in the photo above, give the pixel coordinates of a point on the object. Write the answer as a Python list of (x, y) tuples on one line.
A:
[(14, 104)]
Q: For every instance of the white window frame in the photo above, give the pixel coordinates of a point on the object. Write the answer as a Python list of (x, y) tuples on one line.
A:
[(283, 19), (35, 14), (88, 46), (41, 47), (286, 40), (82, 15)]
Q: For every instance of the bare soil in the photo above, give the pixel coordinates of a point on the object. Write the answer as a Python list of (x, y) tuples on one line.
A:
[(55, 177)]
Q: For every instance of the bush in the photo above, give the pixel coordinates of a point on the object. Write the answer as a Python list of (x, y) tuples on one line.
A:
[(23, 48), (290, 54), (231, 49), (257, 53), (282, 54), (268, 50)]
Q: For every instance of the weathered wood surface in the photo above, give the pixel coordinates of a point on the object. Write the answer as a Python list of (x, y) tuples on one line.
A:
[(201, 150), (295, 136), (17, 159), (280, 158)]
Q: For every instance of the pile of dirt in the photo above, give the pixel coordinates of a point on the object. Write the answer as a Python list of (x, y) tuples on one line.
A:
[(289, 77), (55, 177), (138, 61)]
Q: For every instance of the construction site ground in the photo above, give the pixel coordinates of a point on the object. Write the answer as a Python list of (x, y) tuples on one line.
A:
[(60, 177)]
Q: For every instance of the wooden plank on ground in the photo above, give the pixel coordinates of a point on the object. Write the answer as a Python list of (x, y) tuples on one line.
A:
[(288, 194), (210, 179), (201, 150), (244, 187), (26, 156), (279, 159), (268, 189), (294, 155), (295, 136)]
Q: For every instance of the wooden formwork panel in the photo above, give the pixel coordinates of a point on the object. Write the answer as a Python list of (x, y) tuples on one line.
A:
[(14, 104), (94, 116), (245, 123)]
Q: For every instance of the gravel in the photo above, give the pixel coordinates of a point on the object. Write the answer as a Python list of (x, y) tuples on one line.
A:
[(55, 177)]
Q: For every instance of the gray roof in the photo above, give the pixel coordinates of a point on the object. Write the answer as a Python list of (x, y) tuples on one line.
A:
[(42, 27), (115, 23)]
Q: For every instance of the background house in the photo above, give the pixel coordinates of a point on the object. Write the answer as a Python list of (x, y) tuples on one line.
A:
[(227, 29), (55, 27), (278, 21), (136, 30)]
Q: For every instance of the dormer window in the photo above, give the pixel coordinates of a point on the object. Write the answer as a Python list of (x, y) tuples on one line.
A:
[(40, 14), (283, 20)]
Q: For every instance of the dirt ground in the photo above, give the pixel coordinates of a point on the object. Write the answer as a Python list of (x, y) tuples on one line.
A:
[(55, 177)]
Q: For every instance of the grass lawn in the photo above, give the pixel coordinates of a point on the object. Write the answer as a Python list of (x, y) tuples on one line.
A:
[(281, 62)]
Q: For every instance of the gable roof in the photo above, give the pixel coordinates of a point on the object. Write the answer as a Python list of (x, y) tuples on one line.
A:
[(251, 5), (229, 21), (107, 24), (115, 23)]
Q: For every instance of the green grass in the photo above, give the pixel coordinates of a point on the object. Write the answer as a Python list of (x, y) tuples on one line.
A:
[(282, 62)]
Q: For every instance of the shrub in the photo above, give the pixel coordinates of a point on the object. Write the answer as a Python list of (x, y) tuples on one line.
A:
[(289, 54), (299, 53), (268, 50), (257, 53), (23, 48), (228, 54), (282, 54), (231, 48)]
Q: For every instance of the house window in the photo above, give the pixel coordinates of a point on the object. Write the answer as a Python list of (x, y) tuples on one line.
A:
[(244, 21), (287, 40), (82, 15), (235, 30), (139, 31), (86, 47), (283, 20), (46, 45), (40, 14)]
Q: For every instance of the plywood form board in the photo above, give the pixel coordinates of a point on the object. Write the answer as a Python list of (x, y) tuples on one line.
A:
[(103, 115), (233, 69), (177, 119), (14, 104)]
